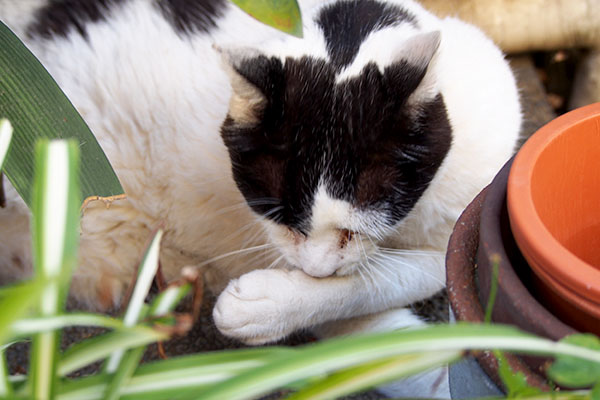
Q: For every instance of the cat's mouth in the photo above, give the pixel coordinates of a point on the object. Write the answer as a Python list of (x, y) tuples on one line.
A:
[(320, 273), (325, 272)]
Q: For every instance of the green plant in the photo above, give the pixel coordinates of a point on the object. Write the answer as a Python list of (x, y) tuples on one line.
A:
[(35, 309)]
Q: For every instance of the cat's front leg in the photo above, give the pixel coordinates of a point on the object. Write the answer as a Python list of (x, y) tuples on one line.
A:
[(266, 305)]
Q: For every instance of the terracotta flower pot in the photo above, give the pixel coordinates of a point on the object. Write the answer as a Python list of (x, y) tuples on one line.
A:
[(554, 209)]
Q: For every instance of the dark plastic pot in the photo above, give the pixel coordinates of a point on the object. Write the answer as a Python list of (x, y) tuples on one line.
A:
[(516, 300), (463, 291)]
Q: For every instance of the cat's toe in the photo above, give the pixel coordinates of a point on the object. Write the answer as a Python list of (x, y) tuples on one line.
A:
[(248, 311)]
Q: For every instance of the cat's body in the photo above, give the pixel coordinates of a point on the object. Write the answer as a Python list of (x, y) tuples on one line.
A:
[(358, 146)]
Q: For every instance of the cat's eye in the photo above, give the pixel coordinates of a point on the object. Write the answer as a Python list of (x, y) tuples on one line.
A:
[(348, 234), (296, 234)]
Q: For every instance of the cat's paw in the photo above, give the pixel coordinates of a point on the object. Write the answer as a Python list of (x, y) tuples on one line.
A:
[(259, 307)]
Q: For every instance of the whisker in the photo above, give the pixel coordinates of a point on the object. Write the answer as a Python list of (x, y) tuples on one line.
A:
[(277, 260), (395, 260), (364, 274), (236, 252), (245, 204), (243, 229), (411, 252), (261, 255), (272, 211)]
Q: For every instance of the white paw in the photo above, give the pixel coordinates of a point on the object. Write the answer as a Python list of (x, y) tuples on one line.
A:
[(259, 307)]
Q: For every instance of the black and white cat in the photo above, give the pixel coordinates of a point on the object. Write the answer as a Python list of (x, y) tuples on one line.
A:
[(312, 180)]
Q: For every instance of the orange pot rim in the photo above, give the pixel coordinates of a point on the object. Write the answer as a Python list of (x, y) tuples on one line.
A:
[(526, 223), (572, 297)]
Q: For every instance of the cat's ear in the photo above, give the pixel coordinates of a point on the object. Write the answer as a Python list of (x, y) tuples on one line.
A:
[(420, 49), (247, 100), (415, 57)]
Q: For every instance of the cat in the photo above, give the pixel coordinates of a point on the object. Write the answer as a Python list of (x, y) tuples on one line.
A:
[(315, 181)]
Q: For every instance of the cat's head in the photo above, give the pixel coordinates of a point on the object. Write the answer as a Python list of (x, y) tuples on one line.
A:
[(334, 162)]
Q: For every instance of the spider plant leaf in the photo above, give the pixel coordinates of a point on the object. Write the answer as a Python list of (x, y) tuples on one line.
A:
[(168, 379), (164, 303), (369, 375), (55, 223), (24, 327), (146, 274), (97, 348), (336, 354)]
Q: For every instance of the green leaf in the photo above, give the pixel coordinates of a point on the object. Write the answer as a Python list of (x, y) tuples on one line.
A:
[(55, 209), (6, 390), (167, 378), (164, 303), (326, 357), (595, 393), (15, 301), (37, 108), (280, 14), (495, 261), (515, 382), (575, 372), (168, 299), (97, 348), (372, 374), (125, 370), (29, 326), (146, 274)]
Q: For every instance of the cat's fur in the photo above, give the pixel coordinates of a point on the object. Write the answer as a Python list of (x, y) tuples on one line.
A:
[(353, 151)]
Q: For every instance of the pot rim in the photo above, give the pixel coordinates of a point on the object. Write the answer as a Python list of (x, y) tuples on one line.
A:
[(526, 223), (510, 285)]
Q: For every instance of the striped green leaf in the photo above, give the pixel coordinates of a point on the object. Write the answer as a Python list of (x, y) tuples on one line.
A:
[(164, 303), (169, 378), (24, 327), (37, 108), (280, 14), (18, 298), (55, 207), (373, 374), (98, 348), (327, 357), (146, 274)]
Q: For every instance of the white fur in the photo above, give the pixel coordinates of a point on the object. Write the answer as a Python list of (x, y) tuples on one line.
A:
[(155, 102)]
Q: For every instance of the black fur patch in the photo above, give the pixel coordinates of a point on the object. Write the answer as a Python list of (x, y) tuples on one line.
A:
[(359, 137), (434, 309), (58, 17), (346, 24), (190, 16)]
